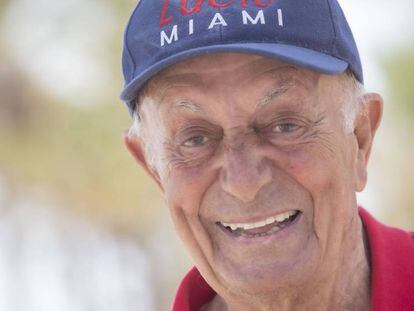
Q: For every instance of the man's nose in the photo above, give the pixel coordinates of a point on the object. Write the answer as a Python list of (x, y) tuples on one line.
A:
[(244, 173)]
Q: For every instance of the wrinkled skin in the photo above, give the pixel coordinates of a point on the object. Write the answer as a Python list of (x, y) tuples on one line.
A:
[(239, 138)]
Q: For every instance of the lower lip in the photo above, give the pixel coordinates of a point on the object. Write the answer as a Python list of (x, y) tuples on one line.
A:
[(280, 234)]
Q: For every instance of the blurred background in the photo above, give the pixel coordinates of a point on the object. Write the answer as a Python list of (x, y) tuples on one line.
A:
[(81, 226)]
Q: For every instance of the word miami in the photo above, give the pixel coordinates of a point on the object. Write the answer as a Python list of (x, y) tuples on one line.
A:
[(219, 20)]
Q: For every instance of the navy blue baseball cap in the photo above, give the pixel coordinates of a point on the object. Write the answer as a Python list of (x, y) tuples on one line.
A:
[(312, 34)]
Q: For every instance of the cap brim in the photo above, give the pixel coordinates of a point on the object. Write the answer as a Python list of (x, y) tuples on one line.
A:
[(294, 55)]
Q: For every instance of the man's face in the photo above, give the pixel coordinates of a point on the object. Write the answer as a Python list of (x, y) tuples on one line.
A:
[(256, 167)]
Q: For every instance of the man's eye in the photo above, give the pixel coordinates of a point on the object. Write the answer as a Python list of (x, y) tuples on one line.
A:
[(196, 141), (285, 128)]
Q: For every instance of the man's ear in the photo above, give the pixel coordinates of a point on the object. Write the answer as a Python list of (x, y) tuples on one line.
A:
[(366, 125), (136, 147)]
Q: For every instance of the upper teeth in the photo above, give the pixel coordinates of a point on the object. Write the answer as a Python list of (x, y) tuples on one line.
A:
[(254, 225)]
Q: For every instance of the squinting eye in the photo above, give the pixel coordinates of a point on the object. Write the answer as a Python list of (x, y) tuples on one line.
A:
[(285, 128), (196, 141)]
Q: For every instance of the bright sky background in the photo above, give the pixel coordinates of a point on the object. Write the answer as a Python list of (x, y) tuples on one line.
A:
[(380, 28)]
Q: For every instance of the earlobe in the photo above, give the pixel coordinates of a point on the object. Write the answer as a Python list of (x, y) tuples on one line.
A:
[(366, 125), (136, 147)]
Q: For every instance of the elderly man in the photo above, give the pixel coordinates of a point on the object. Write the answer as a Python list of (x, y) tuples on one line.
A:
[(251, 116)]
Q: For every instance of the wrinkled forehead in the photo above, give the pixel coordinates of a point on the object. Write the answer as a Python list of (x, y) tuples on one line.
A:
[(231, 69)]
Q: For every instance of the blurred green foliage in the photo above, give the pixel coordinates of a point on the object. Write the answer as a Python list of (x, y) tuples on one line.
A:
[(401, 76), (75, 153), (399, 69)]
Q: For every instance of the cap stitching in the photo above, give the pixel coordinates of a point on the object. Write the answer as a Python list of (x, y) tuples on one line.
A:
[(285, 42), (221, 26), (333, 26)]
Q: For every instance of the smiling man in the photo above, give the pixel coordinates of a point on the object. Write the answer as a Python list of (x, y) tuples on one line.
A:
[(252, 118)]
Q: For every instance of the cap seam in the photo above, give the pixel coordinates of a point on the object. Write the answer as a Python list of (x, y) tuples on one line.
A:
[(333, 26), (221, 26)]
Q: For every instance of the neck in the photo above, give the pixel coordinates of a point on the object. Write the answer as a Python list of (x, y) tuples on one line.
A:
[(345, 285)]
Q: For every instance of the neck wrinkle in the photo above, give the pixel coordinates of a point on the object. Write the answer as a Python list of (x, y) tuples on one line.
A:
[(348, 287)]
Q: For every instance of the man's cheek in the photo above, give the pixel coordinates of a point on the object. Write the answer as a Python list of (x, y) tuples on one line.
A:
[(319, 176), (308, 169), (185, 189), (184, 196)]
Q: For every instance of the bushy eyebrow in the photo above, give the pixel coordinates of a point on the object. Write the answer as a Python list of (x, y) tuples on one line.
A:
[(274, 93), (188, 105), (267, 99)]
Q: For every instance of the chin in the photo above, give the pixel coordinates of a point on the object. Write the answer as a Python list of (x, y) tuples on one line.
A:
[(266, 278), (261, 276)]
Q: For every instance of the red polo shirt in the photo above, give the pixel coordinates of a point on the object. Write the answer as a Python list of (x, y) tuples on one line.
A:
[(392, 272)]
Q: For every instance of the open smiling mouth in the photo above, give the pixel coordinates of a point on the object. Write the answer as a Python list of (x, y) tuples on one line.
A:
[(262, 228)]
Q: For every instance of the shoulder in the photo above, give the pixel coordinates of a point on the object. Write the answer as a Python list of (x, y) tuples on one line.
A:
[(392, 265), (386, 237), (193, 292)]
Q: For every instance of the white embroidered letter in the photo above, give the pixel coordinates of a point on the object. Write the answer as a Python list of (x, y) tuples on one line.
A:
[(171, 38), (280, 17), (217, 20), (259, 17), (190, 26)]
